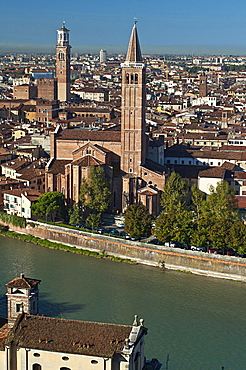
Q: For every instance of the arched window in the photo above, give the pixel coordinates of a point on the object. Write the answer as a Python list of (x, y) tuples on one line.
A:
[(132, 78), (36, 367), (65, 368), (136, 78), (127, 78)]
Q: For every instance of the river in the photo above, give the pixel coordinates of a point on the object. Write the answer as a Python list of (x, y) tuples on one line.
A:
[(199, 322)]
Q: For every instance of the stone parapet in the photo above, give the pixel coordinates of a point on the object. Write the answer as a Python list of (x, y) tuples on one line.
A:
[(170, 258)]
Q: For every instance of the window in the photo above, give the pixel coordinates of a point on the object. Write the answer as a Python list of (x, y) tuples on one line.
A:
[(189, 162), (36, 354), (64, 368), (36, 367), (94, 362), (65, 358), (18, 307), (182, 162)]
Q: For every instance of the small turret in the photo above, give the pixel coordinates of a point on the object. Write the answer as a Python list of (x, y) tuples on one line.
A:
[(63, 36), (22, 296)]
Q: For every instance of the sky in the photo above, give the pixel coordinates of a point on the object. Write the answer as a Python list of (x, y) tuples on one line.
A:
[(164, 26)]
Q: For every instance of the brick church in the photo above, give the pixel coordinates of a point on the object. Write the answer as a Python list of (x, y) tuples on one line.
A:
[(134, 177)]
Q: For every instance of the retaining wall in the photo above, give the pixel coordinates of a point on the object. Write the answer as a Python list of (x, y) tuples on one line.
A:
[(170, 258)]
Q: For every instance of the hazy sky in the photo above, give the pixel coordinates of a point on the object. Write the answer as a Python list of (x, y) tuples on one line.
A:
[(164, 25)]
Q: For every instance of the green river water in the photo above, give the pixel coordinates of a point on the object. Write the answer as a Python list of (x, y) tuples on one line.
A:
[(199, 322)]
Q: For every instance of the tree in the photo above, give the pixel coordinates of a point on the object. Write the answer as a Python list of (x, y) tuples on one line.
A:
[(138, 221), (93, 220), (95, 193), (75, 216), (199, 235), (50, 204), (220, 213), (175, 220)]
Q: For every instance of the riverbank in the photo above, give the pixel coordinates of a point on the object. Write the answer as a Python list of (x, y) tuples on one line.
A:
[(63, 247), (200, 263)]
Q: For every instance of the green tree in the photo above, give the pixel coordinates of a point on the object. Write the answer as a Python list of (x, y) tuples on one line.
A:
[(75, 216), (138, 221), (95, 193), (93, 220), (199, 235), (220, 213), (50, 204), (175, 220)]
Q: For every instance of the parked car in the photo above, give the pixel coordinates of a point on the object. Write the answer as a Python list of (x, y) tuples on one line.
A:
[(102, 230), (215, 251), (123, 234), (170, 244), (181, 245), (114, 232), (197, 249), (229, 252)]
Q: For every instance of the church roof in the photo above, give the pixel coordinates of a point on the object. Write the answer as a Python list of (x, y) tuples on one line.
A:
[(134, 51), (58, 166), (87, 160), (23, 282), (70, 336), (100, 135)]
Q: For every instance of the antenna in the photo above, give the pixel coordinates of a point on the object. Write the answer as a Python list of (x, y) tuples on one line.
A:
[(135, 20)]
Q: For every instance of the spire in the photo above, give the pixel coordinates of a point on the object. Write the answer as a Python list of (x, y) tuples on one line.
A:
[(134, 51)]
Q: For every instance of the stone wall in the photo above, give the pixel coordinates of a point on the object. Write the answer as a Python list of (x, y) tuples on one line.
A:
[(171, 258)]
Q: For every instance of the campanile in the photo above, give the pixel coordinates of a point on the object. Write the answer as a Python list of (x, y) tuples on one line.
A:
[(133, 136), (63, 64)]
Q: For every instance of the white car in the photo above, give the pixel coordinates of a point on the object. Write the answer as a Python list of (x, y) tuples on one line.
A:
[(197, 249), (170, 244)]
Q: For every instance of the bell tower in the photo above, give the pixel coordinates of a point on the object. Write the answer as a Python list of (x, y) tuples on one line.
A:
[(133, 136), (22, 296), (63, 64)]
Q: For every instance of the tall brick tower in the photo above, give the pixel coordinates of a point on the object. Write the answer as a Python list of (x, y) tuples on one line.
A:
[(203, 87), (63, 64), (133, 137)]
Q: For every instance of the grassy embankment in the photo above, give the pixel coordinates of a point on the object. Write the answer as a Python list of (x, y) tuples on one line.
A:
[(53, 245)]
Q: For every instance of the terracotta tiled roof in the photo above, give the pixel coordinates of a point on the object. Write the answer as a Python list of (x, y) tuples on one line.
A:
[(58, 166), (75, 134), (215, 172), (86, 161), (4, 330), (23, 282), (70, 336), (187, 171)]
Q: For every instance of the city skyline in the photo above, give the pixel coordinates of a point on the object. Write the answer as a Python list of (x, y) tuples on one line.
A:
[(166, 27)]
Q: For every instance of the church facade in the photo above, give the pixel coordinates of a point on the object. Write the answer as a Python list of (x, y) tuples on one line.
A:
[(123, 154)]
